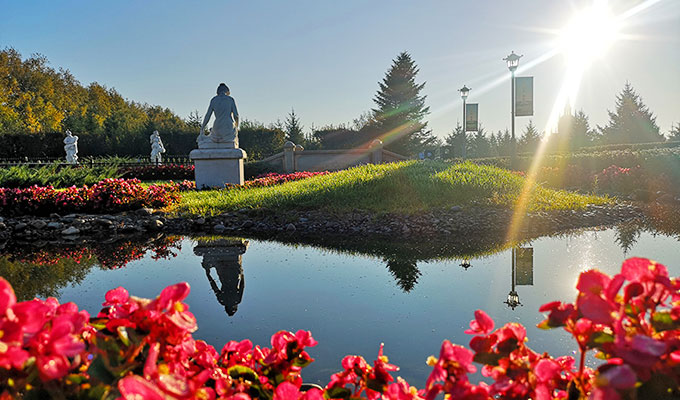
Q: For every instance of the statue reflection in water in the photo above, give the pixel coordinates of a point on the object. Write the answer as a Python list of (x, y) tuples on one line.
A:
[(224, 255)]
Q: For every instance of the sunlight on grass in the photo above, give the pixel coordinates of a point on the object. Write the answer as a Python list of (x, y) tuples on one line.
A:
[(405, 187)]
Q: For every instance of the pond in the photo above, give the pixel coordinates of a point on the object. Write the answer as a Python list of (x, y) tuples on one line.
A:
[(351, 296)]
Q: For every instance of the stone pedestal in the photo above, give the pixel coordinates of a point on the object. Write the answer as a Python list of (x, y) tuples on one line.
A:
[(216, 166)]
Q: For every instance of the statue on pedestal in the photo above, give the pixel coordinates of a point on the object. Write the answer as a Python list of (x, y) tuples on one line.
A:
[(71, 147), (225, 128), (157, 147)]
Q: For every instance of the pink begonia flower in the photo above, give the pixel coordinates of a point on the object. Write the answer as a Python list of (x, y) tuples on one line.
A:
[(481, 324), (118, 295), (616, 377), (134, 387), (7, 297)]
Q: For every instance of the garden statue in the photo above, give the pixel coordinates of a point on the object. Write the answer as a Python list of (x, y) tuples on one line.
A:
[(225, 128), (71, 147), (157, 147), (218, 160)]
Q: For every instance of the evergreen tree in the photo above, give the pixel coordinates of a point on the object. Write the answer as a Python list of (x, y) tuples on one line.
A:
[(453, 143), (632, 122), (294, 129), (503, 143), (674, 134), (530, 139), (401, 109), (478, 144), (573, 131)]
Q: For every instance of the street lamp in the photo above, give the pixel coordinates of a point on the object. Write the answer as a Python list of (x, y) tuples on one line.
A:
[(513, 62), (464, 91)]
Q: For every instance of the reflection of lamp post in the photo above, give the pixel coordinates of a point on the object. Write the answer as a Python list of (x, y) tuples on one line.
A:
[(513, 296), (466, 264), (513, 62), (464, 91)]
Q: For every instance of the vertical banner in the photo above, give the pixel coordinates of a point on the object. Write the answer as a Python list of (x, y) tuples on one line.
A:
[(471, 117), (524, 264), (524, 96)]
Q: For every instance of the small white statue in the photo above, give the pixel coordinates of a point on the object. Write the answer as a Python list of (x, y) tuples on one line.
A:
[(157, 147), (225, 128), (71, 147)]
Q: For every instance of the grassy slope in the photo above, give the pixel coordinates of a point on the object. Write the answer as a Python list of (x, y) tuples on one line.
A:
[(404, 187)]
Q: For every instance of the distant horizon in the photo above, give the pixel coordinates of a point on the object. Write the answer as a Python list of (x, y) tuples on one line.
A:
[(325, 61)]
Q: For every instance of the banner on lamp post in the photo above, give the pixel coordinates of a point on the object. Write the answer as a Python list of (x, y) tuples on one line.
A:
[(471, 117), (524, 262), (524, 96)]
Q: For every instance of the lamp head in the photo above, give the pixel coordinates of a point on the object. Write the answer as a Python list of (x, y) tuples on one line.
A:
[(464, 91), (513, 61)]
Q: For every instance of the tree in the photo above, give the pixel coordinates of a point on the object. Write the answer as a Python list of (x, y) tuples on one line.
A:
[(453, 143), (573, 131), (294, 129), (530, 139), (478, 144), (674, 134), (260, 141), (401, 109), (632, 122)]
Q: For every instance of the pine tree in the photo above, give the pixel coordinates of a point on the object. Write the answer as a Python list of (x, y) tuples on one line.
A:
[(294, 129), (632, 122), (478, 144), (674, 134), (530, 139), (453, 143), (401, 109)]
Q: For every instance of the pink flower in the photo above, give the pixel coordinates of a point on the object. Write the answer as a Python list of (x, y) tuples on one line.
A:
[(481, 324)]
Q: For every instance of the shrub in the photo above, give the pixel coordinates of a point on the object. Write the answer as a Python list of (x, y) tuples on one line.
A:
[(158, 172)]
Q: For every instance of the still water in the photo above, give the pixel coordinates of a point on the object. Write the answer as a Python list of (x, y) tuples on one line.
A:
[(351, 301)]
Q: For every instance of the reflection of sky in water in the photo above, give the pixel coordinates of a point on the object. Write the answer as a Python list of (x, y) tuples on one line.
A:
[(352, 304)]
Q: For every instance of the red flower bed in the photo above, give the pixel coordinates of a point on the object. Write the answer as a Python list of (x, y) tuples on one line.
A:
[(143, 349), (274, 178), (111, 256), (109, 195), (158, 172)]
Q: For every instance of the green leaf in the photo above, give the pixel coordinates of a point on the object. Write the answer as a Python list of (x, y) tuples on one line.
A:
[(487, 358), (337, 393), (301, 362), (662, 321), (123, 335), (374, 384), (75, 378), (99, 371), (597, 339), (242, 372)]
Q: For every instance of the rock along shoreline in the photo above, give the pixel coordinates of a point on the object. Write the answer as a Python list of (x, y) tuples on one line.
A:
[(453, 222)]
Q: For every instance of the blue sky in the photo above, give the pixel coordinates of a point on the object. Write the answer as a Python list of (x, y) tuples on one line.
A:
[(325, 58)]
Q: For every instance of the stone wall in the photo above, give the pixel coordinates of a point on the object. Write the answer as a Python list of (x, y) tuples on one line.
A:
[(295, 158)]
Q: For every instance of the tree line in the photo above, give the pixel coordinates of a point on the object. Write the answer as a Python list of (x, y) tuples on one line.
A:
[(38, 103)]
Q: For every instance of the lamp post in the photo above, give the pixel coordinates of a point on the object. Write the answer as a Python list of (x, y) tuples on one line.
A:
[(513, 62), (464, 91), (513, 296)]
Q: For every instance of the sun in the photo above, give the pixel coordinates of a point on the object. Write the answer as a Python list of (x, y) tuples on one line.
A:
[(589, 34)]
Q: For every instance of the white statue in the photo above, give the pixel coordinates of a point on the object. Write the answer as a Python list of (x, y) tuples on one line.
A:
[(225, 128), (157, 147), (71, 147)]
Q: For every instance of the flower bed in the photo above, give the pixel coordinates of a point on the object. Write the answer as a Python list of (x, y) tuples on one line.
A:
[(109, 195), (139, 348), (274, 178), (158, 172)]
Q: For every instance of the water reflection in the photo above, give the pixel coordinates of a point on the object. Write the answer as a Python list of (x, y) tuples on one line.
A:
[(224, 255), (42, 270), (405, 271), (522, 273)]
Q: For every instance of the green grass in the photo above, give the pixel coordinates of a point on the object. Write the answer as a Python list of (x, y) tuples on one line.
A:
[(56, 175), (405, 187)]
